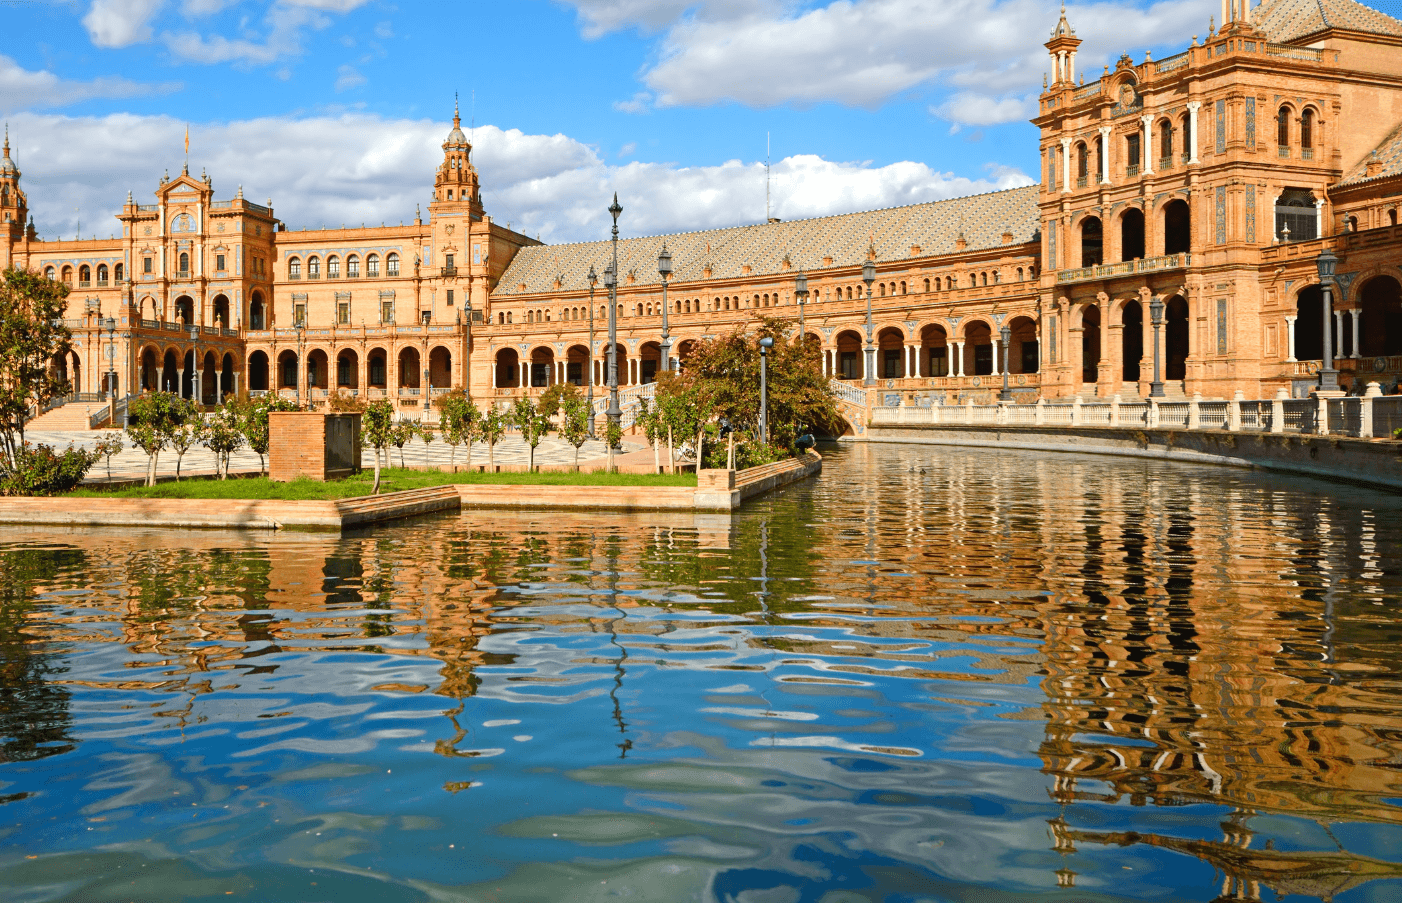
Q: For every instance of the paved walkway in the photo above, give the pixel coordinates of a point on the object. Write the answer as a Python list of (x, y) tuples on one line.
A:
[(131, 462)]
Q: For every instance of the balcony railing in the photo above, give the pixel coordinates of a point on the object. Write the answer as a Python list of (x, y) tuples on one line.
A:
[(182, 275), (294, 275), (449, 271), (1127, 268), (102, 283), (1132, 170), (84, 283)]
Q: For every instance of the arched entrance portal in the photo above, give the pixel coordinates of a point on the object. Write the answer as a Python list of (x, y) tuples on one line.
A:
[(1175, 338), (1132, 342), (1380, 333), (1090, 344)]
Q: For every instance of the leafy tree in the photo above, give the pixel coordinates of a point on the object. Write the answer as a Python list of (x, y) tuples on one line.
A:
[(223, 436), (342, 401), (613, 435), (253, 421), (574, 423), (151, 420), (457, 418), (187, 429), (532, 424), (377, 432), (553, 398), (685, 406), (109, 445), (649, 419), (404, 433), (492, 427), (31, 334)]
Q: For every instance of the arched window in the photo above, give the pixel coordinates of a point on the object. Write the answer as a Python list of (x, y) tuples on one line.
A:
[(313, 267), (392, 265), (49, 273), (1307, 129), (985, 278), (185, 264), (1392, 217), (294, 268), (1166, 140), (333, 267), (640, 310), (102, 274), (927, 285), (1282, 127), (882, 290), (372, 265), (1353, 224), (547, 316), (1132, 158), (997, 277), (1082, 165), (353, 267), (117, 273), (949, 283), (84, 275), (903, 291)]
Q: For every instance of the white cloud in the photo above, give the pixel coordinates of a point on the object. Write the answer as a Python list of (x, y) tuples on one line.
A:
[(120, 23), (22, 89), (865, 52), (972, 108), (359, 168), (284, 38), (333, 6), (641, 103), (348, 77)]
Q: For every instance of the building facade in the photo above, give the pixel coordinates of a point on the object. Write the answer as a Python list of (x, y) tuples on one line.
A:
[(1202, 186)]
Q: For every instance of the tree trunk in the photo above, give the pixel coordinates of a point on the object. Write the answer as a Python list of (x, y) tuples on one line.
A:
[(155, 462), (656, 451), (530, 460), (700, 450), (491, 457), (671, 453), (452, 458), (469, 454)]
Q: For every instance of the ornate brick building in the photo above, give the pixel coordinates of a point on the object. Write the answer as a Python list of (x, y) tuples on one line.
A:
[(1204, 184)]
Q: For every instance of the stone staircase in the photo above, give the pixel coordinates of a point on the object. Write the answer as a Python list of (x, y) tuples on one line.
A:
[(71, 416)]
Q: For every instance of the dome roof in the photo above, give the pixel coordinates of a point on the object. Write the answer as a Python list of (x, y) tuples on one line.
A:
[(456, 136), (7, 165)]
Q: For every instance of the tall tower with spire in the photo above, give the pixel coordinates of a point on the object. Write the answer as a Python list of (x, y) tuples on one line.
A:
[(1062, 48), (14, 207), (456, 185)]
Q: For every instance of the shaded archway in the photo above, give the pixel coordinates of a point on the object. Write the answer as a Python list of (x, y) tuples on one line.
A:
[(1380, 333), (650, 360), (1132, 340), (1309, 324), (978, 349), (542, 372), (377, 368), (170, 371), (409, 367), (348, 370), (258, 372), (1175, 338), (934, 351), (1024, 352), (287, 369), (1090, 343), (577, 365), (228, 380), (185, 310), (440, 368), (318, 369), (257, 315), (150, 370), (1177, 227), (1132, 234), (209, 378), (508, 369), (890, 345), (849, 355), (1092, 242), (221, 312)]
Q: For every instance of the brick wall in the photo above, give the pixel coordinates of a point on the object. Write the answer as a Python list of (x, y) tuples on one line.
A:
[(313, 445)]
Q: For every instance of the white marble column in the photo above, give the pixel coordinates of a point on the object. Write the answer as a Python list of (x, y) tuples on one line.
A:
[(1339, 332), (996, 371), (1318, 218), (905, 353), (1065, 165), (1105, 154), (1193, 107), (960, 357), (1148, 142), (525, 374), (1357, 324), (1290, 332), (1060, 66), (1071, 67)]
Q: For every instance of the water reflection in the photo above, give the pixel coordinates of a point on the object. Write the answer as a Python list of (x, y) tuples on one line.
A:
[(929, 675)]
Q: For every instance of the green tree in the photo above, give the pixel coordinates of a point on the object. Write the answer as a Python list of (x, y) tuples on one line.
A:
[(187, 429), (377, 432), (457, 418), (574, 423), (613, 435), (685, 405), (31, 335), (151, 420), (253, 421), (404, 433), (553, 398), (223, 435), (108, 446), (532, 424), (649, 420), (492, 427)]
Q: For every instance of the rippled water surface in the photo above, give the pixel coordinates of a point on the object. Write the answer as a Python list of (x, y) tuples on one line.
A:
[(929, 675)]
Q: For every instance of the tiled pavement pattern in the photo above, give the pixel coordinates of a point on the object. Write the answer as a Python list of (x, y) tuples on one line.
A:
[(131, 462)]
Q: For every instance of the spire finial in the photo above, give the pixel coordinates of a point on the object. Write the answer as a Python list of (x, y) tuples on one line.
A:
[(7, 140)]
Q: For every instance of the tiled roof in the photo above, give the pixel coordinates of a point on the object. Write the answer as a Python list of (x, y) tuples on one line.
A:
[(1388, 153), (934, 226), (1284, 21)]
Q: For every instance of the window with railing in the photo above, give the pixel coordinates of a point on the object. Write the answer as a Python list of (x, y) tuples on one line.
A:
[(294, 269), (352, 267), (372, 266), (333, 268), (313, 268), (386, 312), (343, 313), (392, 265)]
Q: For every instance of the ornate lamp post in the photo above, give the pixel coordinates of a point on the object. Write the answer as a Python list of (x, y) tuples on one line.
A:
[(589, 396), (467, 355), (869, 276), (110, 324), (1327, 263), (615, 413), (1007, 333), (297, 381), (196, 392), (764, 345), (664, 269), (1156, 317), (427, 315), (800, 290)]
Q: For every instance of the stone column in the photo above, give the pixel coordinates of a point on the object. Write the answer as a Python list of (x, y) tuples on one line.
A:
[(1193, 107), (1290, 332), (1148, 147), (1339, 332), (1071, 67), (1065, 165), (1105, 154), (996, 371), (1319, 218), (525, 374), (906, 350), (1357, 324), (959, 357)]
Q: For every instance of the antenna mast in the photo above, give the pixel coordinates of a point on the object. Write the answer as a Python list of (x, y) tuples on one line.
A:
[(766, 177)]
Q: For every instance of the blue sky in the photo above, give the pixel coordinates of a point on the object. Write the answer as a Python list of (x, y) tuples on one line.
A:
[(335, 108)]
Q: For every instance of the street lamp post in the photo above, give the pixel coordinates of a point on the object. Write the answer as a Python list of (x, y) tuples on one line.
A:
[(664, 269), (110, 324), (1327, 263), (869, 276), (764, 346), (589, 396), (195, 393), (302, 366), (427, 315), (1156, 317), (1007, 334), (800, 290), (615, 413)]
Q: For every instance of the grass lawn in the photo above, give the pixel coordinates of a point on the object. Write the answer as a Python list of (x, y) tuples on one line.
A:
[(391, 480)]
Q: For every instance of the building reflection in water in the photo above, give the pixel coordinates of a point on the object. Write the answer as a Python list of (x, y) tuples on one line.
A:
[(1198, 637)]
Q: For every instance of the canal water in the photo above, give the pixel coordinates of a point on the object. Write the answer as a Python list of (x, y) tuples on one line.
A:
[(928, 675)]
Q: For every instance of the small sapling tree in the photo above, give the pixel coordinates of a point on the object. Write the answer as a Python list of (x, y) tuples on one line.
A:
[(532, 424), (574, 423), (492, 427), (377, 432)]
